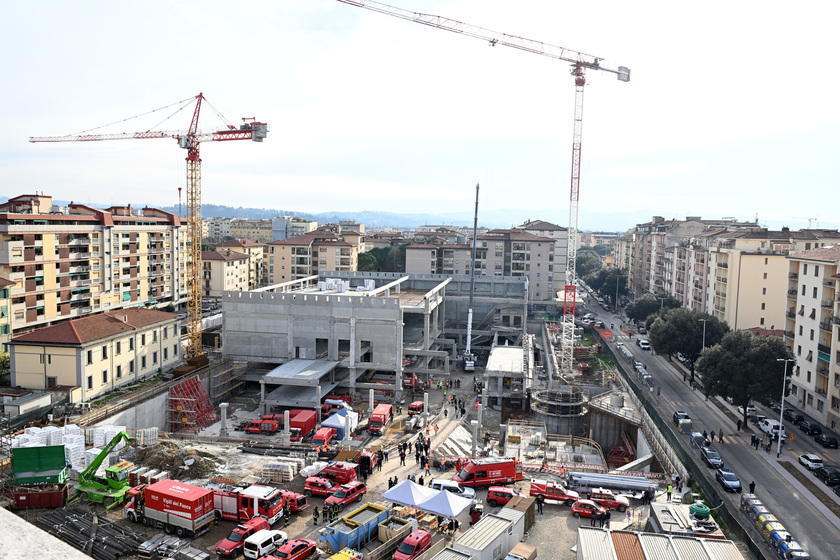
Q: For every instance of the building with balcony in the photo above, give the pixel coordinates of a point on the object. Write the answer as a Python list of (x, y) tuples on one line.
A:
[(811, 329), (70, 261), (98, 353), (309, 254), (286, 227), (224, 271), (216, 229), (5, 313), (257, 273)]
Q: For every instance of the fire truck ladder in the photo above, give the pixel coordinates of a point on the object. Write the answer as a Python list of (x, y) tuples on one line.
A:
[(190, 409)]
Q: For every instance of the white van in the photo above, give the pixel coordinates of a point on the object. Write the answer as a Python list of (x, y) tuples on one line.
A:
[(454, 487), (264, 542), (772, 428)]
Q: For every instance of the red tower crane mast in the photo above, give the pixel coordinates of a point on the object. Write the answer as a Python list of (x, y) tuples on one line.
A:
[(580, 64), (190, 140)]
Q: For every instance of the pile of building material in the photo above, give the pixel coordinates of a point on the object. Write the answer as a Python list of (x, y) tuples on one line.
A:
[(92, 535), (165, 546), (283, 471), (181, 463)]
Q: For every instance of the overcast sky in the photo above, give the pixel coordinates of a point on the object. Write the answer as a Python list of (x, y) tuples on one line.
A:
[(732, 107)]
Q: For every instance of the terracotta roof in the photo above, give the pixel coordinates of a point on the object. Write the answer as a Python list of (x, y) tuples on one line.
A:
[(96, 327), (245, 243), (828, 254), (514, 235), (226, 255), (421, 246), (541, 225)]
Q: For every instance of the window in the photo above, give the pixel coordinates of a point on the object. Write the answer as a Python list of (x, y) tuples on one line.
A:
[(104, 376), (143, 362), (765, 276), (174, 350), (764, 291), (763, 306), (816, 270), (803, 289), (820, 406), (90, 357), (90, 382), (805, 265), (131, 366), (815, 293), (105, 352), (131, 344), (154, 336), (142, 340), (765, 260), (761, 322), (793, 390), (165, 354), (800, 331), (166, 332), (119, 348), (154, 358), (835, 403), (812, 334), (810, 400), (119, 372), (799, 350)]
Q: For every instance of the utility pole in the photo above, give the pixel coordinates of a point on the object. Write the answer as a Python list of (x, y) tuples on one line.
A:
[(782, 404)]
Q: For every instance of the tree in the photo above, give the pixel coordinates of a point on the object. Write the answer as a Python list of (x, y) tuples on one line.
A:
[(745, 367), (5, 370), (602, 250), (393, 261), (646, 306), (587, 262), (368, 262), (681, 331), (604, 281)]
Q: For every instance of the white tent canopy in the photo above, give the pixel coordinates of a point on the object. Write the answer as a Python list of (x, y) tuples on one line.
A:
[(446, 504), (408, 493)]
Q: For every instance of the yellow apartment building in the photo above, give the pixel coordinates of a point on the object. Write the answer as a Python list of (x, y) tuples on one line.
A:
[(97, 353), (256, 263), (306, 255), (223, 271)]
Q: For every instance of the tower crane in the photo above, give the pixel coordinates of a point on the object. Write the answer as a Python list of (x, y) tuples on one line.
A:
[(189, 140), (580, 63)]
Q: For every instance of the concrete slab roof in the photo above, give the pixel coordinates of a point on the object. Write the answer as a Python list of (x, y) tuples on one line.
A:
[(297, 395), (300, 372), (506, 359)]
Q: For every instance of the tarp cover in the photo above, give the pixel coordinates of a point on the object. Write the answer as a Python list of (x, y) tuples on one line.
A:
[(408, 493), (338, 421), (446, 504)]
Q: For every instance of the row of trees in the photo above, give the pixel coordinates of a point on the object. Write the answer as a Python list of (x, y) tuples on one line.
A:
[(383, 259), (733, 364)]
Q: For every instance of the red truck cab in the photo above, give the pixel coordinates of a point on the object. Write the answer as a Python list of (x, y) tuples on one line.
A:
[(347, 494), (607, 499), (263, 426), (489, 471), (415, 408), (297, 502), (368, 461), (235, 541), (415, 544), (339, 472), (318, 486), (380, 418), (324, 436)]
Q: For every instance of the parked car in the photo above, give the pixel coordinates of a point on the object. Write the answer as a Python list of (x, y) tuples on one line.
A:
[(500, 495), (810, 427), (681, 415), (454, 487), (414, 545), (586, 508), (750, 410), (810, 461), (830, 475), (347, 494), (728, 480), (826, 441), (295, 549), (711, 457), (607, 499), (233, 543), (793, 417), (318, 486)]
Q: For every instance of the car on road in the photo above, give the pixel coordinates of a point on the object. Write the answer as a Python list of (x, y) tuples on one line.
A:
[(711, 457), (829, 474), (728, 480), (810, 461), (619, 344), (750, 410), (586, 508), (681, 415), (295, 549), (318, 486), (642, 330), (826, 441), (607, 499), (810, 427), (643, 344), (454, 487)]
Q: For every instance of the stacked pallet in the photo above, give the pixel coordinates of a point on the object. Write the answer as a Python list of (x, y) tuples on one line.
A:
[(53, 435), (74, 451), (146, 436), (278, 472)]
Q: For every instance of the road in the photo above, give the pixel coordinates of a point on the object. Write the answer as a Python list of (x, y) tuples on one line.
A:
[(808, 520)]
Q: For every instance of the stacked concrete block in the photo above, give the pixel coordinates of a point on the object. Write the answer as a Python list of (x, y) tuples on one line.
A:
[(53, 435)]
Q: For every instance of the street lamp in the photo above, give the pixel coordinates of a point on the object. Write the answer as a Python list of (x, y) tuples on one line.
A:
[(704, 334), (782, 405)]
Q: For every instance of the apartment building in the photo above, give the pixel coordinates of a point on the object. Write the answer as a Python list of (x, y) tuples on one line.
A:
[(5, 313), (217, 229), (378, 240), (224, 271), (559, 234), (321, 250), (70, 261), (258, 230), (286, 227), (98, 353), (257, 274), (811, 329), (449, 259)]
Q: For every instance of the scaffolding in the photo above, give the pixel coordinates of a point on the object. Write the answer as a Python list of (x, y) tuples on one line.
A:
[(189, 406), (623, 453)]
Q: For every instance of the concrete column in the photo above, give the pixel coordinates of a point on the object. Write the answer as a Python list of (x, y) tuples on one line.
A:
[(398, 378), (262, 397), (474, 437), (480, 416), (353, 346), (286, 427), (318, 401), (426, 334), (371, 400), (223, 413), (346, 429)]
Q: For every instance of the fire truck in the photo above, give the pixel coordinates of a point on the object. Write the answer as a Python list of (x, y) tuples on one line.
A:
[(241, 504)]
